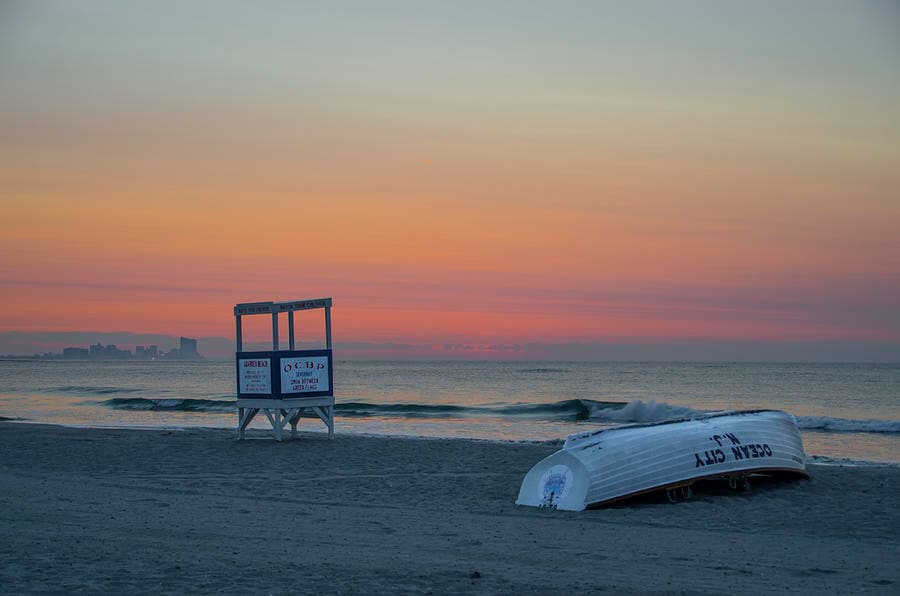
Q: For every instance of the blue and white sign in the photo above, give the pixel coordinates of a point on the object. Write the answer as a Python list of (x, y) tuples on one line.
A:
[(305, 374), (254, 376), (285, 374)]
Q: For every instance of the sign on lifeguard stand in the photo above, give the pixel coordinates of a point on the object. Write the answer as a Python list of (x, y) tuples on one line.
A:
[(283, 383)]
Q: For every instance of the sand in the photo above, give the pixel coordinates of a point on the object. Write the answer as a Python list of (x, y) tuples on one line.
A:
[(196, 511)]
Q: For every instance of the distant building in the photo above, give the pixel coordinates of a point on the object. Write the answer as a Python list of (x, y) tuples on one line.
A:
[(188, 348), (145, 352), (113, 351), (98, 350), (76, 353)]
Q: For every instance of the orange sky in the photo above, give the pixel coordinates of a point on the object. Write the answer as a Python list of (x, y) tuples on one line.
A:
[(454, 180)]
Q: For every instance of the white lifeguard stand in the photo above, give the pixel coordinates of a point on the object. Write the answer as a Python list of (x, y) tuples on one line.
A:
[(283, 383)]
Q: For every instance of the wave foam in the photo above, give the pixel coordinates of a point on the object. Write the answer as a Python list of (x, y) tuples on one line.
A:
[(828, 423), (824, 460), (639, 411)]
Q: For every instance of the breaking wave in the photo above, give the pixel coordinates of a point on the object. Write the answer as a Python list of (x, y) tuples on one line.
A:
[(172, 405), (572, 410), (569, 410), (83, 389), (845, 425)]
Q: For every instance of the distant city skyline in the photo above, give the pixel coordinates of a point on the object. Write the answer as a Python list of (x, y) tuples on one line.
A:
[(186, 350), (220, 348)]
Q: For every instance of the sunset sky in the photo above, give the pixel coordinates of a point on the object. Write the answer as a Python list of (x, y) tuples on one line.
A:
[(473, 173)]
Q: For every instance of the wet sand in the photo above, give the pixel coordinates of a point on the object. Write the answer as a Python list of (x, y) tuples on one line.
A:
[(197, 512)]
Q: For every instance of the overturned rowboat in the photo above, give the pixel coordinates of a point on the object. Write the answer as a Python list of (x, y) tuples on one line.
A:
[(598, 468)]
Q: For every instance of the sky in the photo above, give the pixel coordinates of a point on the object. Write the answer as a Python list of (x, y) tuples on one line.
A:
[(464, 178)]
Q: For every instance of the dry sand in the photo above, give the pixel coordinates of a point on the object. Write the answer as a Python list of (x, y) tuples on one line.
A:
[(196, 511)]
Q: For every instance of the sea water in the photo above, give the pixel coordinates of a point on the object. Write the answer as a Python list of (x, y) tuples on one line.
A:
[(846, 412)]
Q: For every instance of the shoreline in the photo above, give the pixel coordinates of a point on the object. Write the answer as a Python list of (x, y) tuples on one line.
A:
[(811, 459), (195, 511)]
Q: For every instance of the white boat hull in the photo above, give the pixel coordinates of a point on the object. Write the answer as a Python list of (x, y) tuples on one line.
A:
[(605, 466)]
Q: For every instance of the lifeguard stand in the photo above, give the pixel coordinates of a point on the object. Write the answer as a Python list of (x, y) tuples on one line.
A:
[(283, 383)]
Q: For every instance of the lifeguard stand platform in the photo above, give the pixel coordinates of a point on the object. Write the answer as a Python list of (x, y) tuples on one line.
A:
[(284, 383)]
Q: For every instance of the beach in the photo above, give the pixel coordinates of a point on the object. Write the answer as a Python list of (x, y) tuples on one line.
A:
[(195, 511)]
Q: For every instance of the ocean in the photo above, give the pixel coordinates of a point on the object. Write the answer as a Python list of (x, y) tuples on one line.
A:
[(847, 413)]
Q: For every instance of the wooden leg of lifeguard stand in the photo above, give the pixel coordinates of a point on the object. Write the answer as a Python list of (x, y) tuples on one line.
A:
[(295, 422), (326, 415), (274, 421), (245, 415)]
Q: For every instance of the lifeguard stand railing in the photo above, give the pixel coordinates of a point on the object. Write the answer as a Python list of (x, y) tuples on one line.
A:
[(284, 383)]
